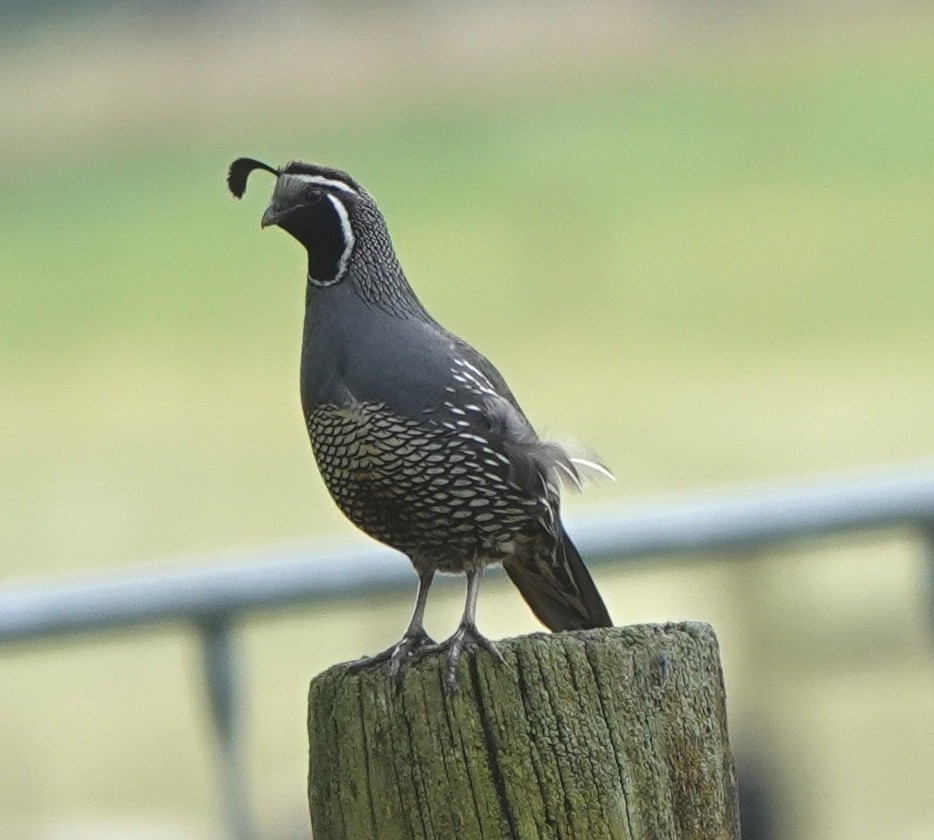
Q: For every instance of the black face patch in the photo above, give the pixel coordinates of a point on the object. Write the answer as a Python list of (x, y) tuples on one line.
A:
[(325, 232)]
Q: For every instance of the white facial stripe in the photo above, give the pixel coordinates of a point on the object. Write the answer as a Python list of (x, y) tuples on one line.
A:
[(347, 231), (324, 182)]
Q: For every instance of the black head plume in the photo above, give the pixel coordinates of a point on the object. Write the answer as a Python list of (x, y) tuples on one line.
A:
[(240, 170)]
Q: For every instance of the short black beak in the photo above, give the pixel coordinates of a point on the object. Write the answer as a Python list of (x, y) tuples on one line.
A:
[(272, 216), (287, 197)]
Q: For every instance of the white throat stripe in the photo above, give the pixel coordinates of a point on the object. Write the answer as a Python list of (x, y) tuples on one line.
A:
[(347, 231)]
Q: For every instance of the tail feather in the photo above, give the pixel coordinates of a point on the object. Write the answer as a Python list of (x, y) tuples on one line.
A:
[(562, 596)]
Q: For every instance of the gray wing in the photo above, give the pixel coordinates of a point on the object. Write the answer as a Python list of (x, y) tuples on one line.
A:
[(546, 569)]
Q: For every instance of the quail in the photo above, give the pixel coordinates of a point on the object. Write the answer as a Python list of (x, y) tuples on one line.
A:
[(417, 436)]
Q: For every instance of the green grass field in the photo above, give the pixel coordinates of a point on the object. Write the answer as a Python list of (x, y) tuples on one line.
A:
[(710, 270), (713, 267)]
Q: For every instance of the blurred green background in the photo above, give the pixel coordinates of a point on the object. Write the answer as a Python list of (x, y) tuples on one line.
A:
[(698, 238)]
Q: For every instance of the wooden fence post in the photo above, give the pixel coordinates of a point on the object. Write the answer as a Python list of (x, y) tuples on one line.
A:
[(617, 733)]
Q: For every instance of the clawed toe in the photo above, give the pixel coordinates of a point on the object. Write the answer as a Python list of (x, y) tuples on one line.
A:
[(410, 647), (466, 636), (413, 646)]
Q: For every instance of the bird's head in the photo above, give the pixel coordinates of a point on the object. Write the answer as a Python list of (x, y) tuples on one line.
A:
[(317, 205)]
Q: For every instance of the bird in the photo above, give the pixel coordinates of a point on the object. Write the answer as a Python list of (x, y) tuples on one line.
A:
[(417, 436)]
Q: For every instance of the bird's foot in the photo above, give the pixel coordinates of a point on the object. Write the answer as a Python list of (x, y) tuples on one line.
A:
[(466, 636), (410, 647)]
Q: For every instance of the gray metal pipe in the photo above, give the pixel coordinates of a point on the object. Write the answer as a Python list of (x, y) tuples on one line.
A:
[(203, 588)]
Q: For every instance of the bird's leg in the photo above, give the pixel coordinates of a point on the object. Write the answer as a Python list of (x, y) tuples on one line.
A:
[(467, 634), (415, 639), (413, 642)]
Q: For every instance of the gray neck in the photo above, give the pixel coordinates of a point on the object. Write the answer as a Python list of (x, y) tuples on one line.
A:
[(351, 331), (374, 273), (380, 282)]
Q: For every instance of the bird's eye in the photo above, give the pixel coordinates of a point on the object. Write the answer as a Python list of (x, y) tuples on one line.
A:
[(312, 196)]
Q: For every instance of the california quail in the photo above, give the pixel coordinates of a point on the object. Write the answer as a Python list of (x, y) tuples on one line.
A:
[(417, 436)]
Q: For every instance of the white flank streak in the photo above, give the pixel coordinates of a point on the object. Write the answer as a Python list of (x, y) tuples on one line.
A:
[(325, 182), (573, 477), (347, 230), (593, 465), (477, 371), (473, 379)]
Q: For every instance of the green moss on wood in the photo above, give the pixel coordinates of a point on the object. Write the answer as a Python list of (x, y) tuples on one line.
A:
[(616, 733)]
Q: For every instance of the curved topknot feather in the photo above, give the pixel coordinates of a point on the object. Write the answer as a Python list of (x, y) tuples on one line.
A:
[(240, 170)]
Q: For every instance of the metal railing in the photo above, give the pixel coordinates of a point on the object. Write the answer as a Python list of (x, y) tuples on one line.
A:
[(212, 596)]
